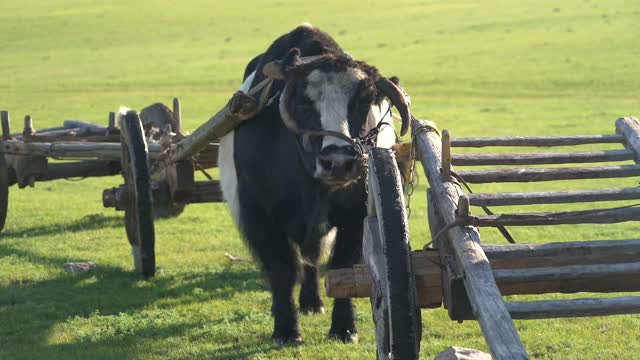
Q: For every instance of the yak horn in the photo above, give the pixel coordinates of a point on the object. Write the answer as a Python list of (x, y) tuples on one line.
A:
[(284, 113), (393, 92), (275, 71)]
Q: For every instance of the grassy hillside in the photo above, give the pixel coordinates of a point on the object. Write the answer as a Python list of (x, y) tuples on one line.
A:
[(489, 68)]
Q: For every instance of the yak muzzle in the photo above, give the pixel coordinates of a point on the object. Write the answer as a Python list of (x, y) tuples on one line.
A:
[(337, 164)]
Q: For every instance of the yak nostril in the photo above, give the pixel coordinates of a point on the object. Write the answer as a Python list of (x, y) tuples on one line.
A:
[(348, 165), (326, 164)]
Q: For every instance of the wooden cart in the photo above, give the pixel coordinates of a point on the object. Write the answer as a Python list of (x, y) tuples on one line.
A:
[(88, 150), (469, 278), (160, 181)]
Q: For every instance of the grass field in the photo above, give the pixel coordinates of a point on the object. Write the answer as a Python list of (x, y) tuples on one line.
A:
[(489, 68)]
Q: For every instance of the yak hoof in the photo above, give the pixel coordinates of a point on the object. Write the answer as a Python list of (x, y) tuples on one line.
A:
[(311, 309), (311, 304), (346, 337), (294, 340)]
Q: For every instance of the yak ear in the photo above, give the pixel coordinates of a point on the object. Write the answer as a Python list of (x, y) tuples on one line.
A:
[(278, 69)]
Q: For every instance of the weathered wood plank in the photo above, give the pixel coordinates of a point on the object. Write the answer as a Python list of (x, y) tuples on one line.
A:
[(565, 273), (574, 308), (75, 150), (553, 197), (495, 322), (86, 128), (206, 192), (177, 115), (570, 248), (622, 283), (356, 282), (6, 129), (530, 258), (446, 154), (28, 127), (53, 132), (520, 256), (594, 216), (629, 127), (77, 169), (537, 140), (72, 138), (111, 122), (549, 174), (240, 108), (208, 157), (542, 158)]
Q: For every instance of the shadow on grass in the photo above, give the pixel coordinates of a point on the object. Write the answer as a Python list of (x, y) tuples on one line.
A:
[(30, 309), (89, 222), (233, 352)]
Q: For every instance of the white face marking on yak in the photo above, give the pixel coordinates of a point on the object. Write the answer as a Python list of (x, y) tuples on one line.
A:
[(338, 95), (330, 93)]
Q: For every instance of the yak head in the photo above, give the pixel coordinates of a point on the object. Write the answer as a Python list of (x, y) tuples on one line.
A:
[(334, 94)]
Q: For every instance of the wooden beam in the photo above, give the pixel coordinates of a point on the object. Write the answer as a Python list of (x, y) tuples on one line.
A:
[(629, 128), (592, 216), (562, 273), (28, 127), (206, 192), (177, 115), (463, 209), (574, 308), (568, 285), (496, 324), (208, 157), (76, 169), (111, 123), (553, 197), (446, 154), (72, 138), (512, 265), (520, 256), (55, 132), (356, 282), (549, 174), (537, 140), (75, 150), (240, 108), (542, 158), (6, 129)]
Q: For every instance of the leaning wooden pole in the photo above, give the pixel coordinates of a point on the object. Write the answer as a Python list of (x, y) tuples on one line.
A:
[(489, 309), (240, 108)]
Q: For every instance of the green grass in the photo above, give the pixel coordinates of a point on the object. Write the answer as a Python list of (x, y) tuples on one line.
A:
[(489, 68)]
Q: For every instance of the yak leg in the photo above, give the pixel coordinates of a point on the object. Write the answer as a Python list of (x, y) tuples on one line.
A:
[(346, 253), (282, 277), (310, 301), (280, 263)]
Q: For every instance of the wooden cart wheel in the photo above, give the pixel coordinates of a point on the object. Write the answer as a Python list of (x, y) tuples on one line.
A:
[(387, 253), (4, 190), (138, 212)]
